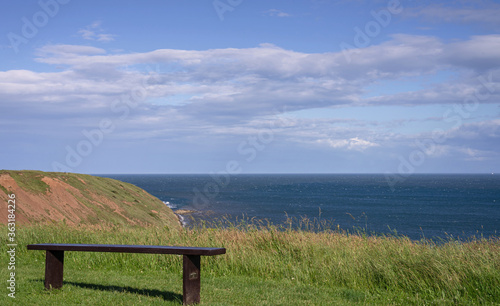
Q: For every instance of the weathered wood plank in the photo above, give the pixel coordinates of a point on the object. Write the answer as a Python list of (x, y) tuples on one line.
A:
[(149, 249), (54, 266), (191, 279)]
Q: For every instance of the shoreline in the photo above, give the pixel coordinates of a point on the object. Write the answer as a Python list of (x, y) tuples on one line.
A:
[(180, 215), (180, 218)]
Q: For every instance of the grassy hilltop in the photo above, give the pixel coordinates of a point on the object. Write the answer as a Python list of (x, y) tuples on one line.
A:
[(51, 197)]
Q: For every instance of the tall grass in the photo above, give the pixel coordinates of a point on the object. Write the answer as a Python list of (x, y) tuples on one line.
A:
[(450, 271)]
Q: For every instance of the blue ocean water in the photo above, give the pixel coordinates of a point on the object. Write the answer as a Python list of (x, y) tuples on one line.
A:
[(421, 205)]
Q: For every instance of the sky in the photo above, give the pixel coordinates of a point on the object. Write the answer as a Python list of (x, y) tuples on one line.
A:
[(250, 86)]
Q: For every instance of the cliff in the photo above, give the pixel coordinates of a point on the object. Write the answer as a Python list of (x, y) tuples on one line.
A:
[(48, 197)]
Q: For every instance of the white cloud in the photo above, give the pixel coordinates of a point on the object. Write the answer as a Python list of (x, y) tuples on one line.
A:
[(477, 12), (243, 83), (439, 150), (230, 91), (95, 32), (472, 154), (474, 141), (360, 144), (355, 143), (478, 53), (67, 51), (276, 13), (402, 56)]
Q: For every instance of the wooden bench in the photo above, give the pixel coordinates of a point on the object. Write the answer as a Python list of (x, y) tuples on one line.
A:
[(54, 262)]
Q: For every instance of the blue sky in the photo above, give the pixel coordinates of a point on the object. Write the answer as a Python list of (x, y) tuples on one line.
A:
[(241, 86)]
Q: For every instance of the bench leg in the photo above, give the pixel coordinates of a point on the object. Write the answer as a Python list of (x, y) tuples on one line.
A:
[(54, 262), (191, 279)]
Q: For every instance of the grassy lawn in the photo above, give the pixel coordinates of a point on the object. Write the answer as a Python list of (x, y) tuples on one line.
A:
[(155, 288), (263, 266), (107, 287)]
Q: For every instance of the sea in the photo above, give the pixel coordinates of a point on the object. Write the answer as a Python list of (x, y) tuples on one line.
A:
[(418, 206)]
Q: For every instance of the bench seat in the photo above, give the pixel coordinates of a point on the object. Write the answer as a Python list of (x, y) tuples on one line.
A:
[(146, 249)]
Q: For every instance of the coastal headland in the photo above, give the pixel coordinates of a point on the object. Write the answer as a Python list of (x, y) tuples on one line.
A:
[(74, 199)]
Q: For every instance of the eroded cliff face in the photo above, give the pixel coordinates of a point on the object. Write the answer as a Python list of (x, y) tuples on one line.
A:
[(47, 197)]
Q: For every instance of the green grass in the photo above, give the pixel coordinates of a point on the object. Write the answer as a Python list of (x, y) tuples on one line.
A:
[(264, 265), (29, 180)]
